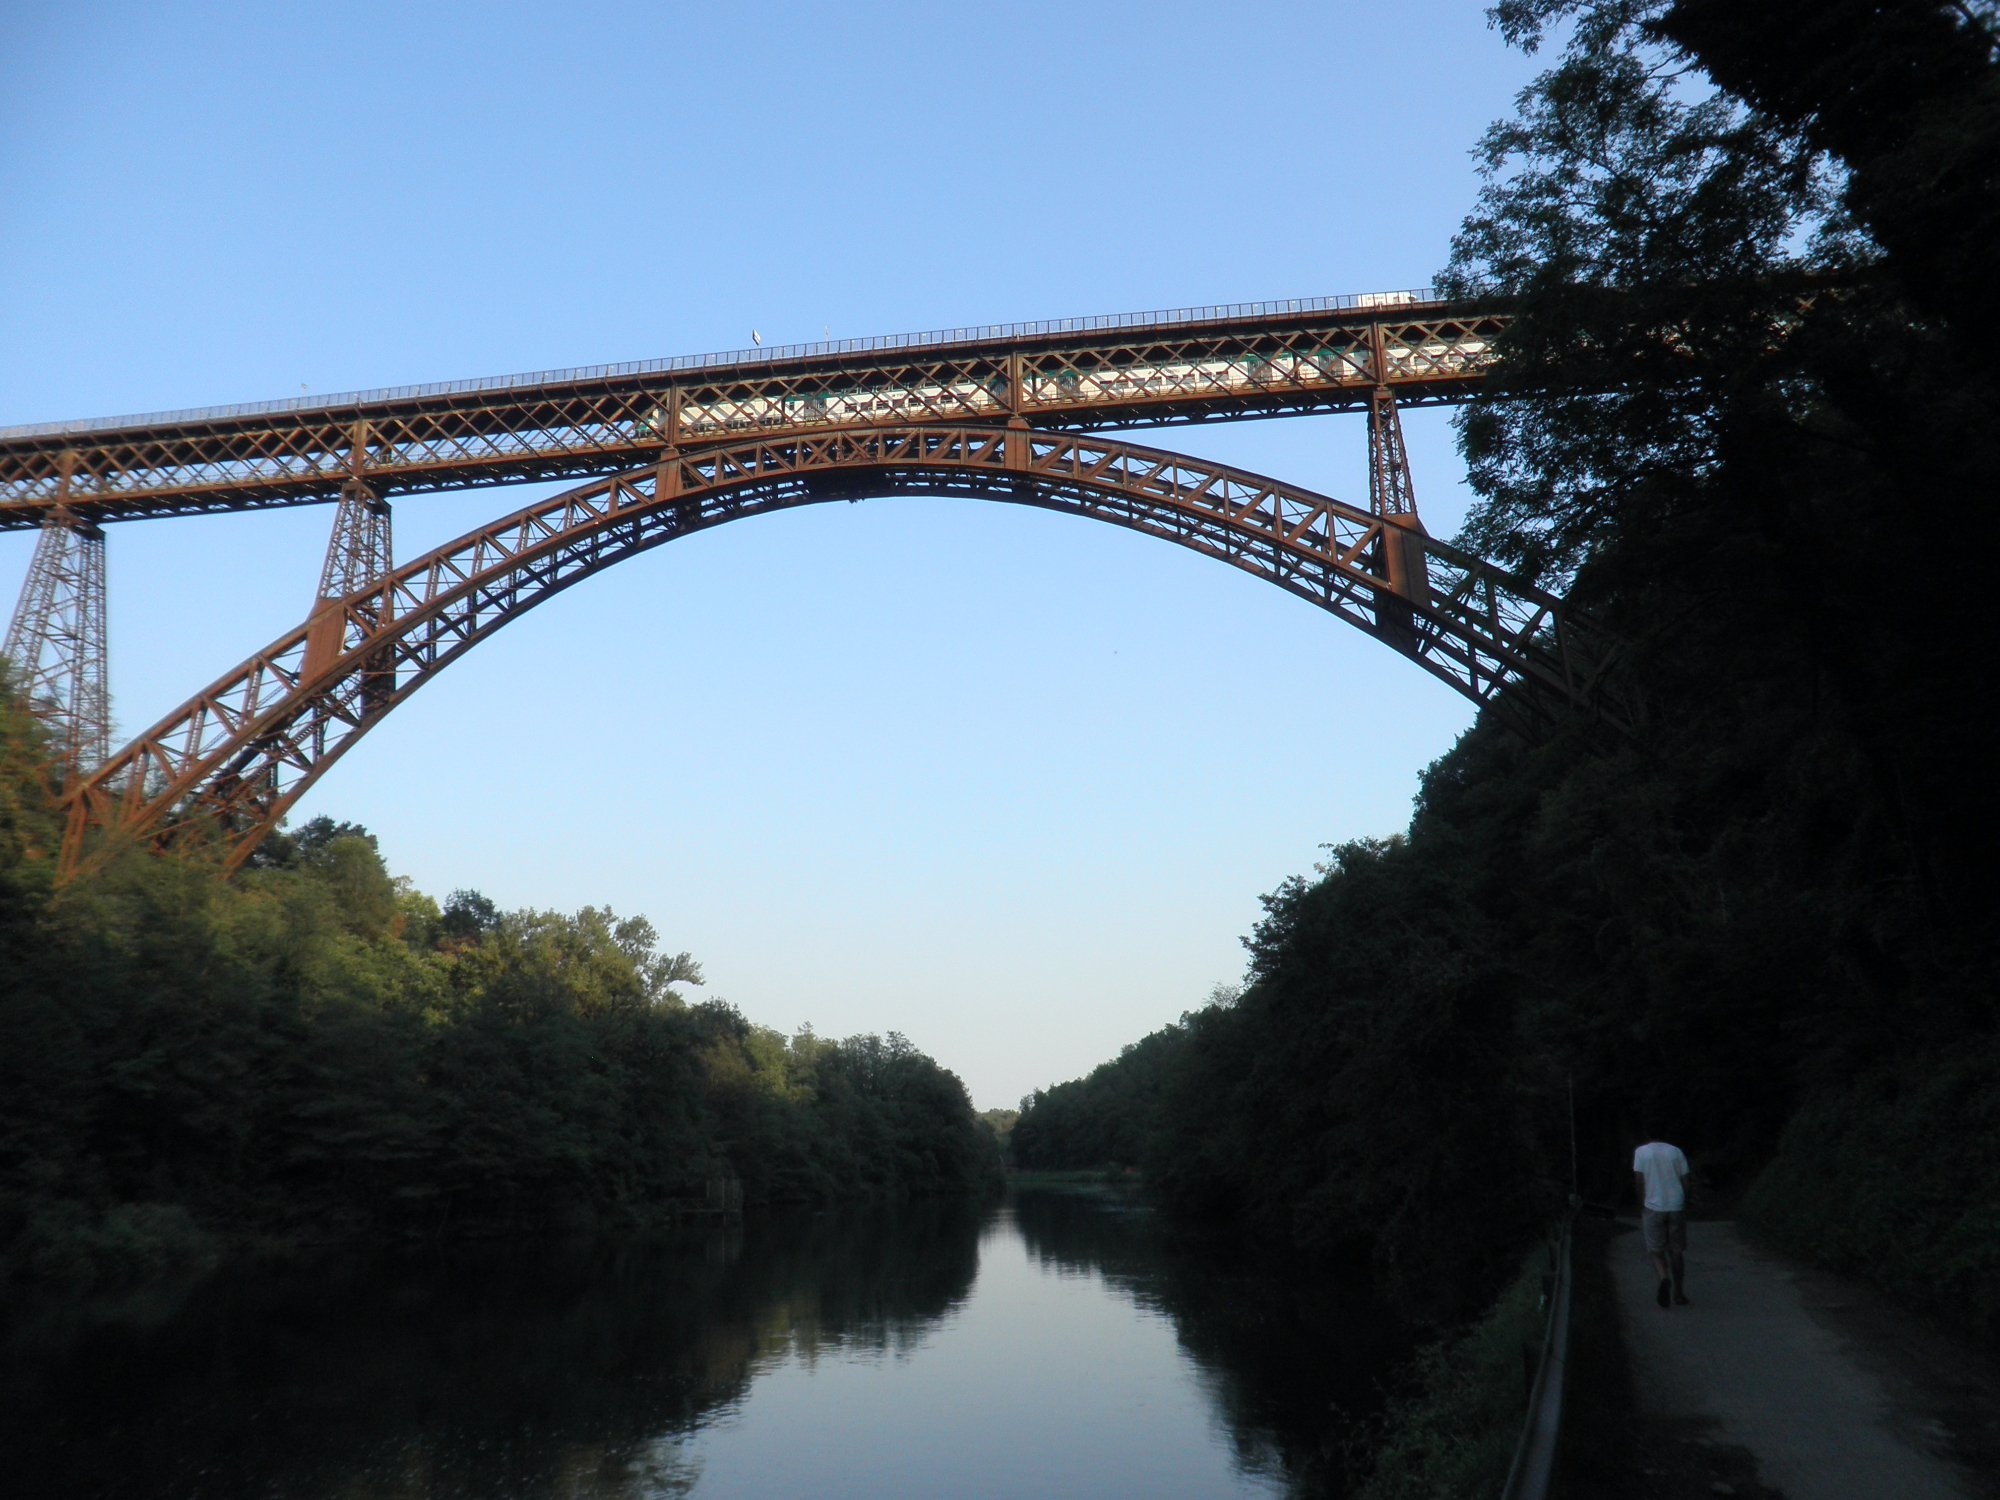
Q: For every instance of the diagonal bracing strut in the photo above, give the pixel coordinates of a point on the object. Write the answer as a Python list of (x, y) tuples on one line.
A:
[(56, 642), (237, 755)]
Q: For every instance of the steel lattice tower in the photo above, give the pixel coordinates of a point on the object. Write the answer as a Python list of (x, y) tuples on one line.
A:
[(359, 552), (1392, 495), (56, 641), (359, 555)]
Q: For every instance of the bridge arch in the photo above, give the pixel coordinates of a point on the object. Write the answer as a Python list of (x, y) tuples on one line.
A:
[(237, 755)]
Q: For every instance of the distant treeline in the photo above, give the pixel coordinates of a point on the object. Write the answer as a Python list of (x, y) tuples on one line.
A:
[(1747, 419), (313, 1050)]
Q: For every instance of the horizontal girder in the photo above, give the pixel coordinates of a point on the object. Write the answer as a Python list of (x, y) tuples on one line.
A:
[(1264, 359), (237, 755)]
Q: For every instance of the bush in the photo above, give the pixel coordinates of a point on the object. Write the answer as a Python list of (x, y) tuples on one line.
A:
[(120, 1246), (1896, 1177), (1453, 1430)]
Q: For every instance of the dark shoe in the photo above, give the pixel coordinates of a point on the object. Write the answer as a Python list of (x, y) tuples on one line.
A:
[(1666, 1290), (1680, 1299)]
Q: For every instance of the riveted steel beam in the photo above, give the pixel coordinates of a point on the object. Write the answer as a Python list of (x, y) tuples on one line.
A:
[(1196, 365), (233, 758)]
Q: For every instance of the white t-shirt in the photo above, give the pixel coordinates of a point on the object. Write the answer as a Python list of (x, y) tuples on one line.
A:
[(1663, 1167)]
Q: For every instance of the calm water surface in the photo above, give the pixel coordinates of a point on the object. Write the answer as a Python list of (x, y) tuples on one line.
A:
[(1055, 1345)]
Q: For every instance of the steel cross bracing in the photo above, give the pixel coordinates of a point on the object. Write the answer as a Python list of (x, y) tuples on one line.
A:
[(359, 551), (1254, 360), (56, 642), (234, 757)]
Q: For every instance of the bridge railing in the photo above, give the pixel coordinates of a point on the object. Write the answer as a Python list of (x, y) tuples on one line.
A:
[(763, 354)]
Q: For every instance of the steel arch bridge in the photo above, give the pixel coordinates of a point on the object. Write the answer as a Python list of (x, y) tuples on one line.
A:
[(703, 442)]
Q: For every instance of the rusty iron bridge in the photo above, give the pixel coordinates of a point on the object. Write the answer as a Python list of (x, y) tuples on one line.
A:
[(666, 447)]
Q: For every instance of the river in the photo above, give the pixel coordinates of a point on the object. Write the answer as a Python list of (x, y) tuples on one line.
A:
[(1051, 1345)]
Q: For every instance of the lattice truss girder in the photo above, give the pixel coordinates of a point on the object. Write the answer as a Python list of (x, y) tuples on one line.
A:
[(57, 643), (239, 753), (572, 430)]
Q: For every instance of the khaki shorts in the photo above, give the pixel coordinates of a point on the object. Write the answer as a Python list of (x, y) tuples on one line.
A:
[(1663, 1230)]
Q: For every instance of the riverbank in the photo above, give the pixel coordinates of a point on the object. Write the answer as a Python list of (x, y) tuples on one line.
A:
[(1082, 1179), (1451, 1433)]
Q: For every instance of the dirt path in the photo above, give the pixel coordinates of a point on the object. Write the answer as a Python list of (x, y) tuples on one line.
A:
[(1835, 1395)]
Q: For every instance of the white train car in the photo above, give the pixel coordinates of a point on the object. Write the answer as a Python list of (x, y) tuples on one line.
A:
[(873, 405)]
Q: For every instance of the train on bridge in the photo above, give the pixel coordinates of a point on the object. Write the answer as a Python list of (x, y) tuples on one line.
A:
[(1055, 386), (1076, 374)]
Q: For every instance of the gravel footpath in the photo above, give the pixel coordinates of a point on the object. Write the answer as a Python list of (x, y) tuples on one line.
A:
[(1834, 1394)]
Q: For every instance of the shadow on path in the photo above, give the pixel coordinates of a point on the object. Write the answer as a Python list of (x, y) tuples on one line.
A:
[(1835, 1395)]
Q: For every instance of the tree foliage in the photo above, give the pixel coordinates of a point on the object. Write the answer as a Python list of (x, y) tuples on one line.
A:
[(1107, 1119), (1744, 416), (314, 1051)]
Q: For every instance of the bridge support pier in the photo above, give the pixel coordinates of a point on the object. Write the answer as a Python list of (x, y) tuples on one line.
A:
[(358, 555), (1393, 498), (57, 641), (360, 550)]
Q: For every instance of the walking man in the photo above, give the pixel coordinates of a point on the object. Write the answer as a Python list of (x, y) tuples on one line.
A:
[(1661, 1173)]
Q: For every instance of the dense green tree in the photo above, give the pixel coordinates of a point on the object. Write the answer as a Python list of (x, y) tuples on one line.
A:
[(1904, 93), (1723, 459), (1106, 1119), (29, 830), (1742, 416), (467, 916), (314, 1051)]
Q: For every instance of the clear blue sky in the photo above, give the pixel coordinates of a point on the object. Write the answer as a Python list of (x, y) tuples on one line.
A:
[(1005, 781)]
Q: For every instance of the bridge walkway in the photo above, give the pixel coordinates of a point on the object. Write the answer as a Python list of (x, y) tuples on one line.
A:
[(1833, 1393)]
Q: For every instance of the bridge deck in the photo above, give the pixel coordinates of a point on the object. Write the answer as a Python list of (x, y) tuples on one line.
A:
[(1132, 370)]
